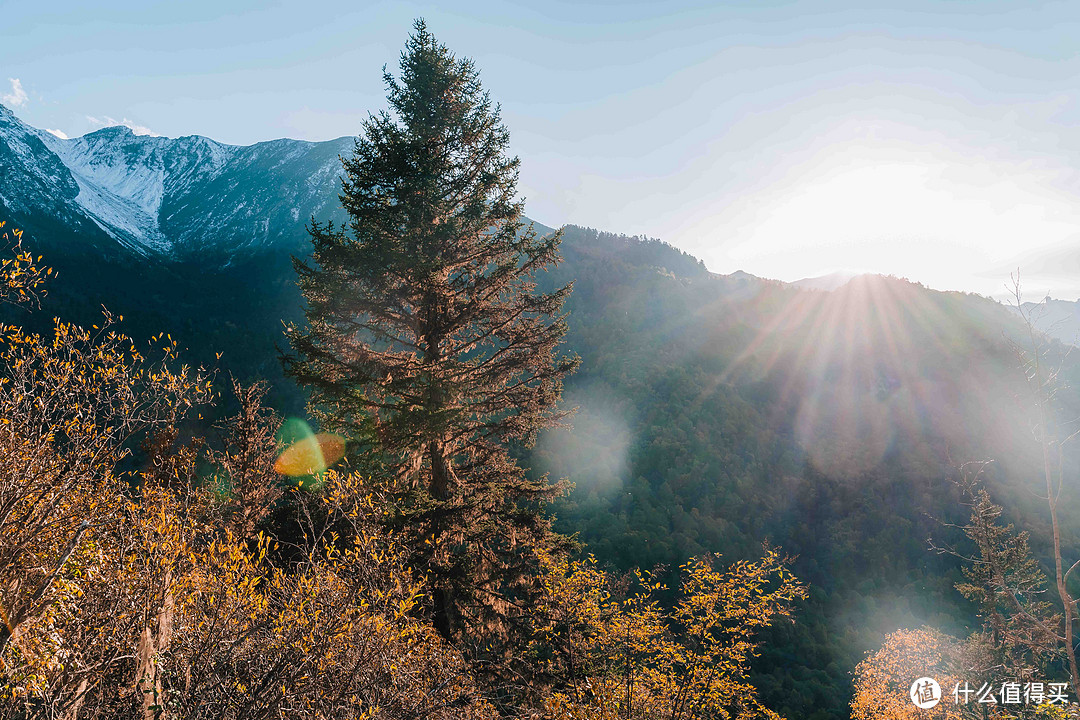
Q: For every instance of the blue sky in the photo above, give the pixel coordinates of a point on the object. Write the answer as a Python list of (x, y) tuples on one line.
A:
[(933, 140)]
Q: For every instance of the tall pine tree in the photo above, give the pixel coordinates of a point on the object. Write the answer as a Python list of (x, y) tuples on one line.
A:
[(428, 341)]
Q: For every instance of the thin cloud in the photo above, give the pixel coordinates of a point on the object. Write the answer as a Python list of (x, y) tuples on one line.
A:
[(58, 133), (111, 122), (17, 97)]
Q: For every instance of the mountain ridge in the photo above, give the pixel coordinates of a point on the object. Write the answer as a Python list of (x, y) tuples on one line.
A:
[(171, 198)]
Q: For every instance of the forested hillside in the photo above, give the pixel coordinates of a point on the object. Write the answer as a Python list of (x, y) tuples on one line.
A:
[(721, 412), (716, 413), (811, 438)]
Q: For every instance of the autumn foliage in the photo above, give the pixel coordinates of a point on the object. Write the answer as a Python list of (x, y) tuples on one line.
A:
[(135, 582), (630, 657), (147, 573)]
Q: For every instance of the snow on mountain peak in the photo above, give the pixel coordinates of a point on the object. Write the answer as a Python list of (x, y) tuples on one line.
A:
[(121, 183), (175, 196)]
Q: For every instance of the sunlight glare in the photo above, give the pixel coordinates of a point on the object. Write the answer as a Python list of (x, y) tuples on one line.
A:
[(948, 222)]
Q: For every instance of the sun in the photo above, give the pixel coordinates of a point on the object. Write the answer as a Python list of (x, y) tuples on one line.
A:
[(940, 218)]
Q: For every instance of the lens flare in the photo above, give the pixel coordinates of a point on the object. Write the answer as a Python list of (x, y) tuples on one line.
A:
[(862, 370), (307, 453)]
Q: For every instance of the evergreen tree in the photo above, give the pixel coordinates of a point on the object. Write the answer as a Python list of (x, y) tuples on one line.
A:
[(428, 342), (1021, 633), (1006, 583)]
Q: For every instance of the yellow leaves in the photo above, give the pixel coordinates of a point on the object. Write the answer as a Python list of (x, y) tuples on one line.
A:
[(644, 662), (338, 610), (21, 277), (883, 679), (161, 558), (86, 553)]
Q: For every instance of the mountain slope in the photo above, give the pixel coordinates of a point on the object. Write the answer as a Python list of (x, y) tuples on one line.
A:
[(1059, 319), (715, 412), (831, 281), (715, 415), (178, 199)]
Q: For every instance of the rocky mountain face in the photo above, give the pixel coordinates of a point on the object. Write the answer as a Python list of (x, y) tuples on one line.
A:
[(173, 199), (185, 235)]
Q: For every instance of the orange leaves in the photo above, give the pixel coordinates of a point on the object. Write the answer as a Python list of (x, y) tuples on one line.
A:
[(883, 680)]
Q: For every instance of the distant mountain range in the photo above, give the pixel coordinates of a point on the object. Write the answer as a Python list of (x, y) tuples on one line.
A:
[(717, 412), (831, 281), (1060, 319), (177, 199)]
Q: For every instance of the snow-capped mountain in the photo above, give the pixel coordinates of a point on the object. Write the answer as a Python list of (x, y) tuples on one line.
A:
[(169, 198), (181, 235)]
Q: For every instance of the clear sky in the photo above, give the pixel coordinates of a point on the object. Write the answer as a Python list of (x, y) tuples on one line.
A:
[(938, 141)]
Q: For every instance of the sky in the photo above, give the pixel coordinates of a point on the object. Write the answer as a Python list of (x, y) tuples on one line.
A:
[(938, 141)]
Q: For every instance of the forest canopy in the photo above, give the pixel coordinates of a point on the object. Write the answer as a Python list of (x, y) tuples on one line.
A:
[(152, 566)]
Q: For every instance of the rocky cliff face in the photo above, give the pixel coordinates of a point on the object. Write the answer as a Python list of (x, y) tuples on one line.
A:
[(168, 198)]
